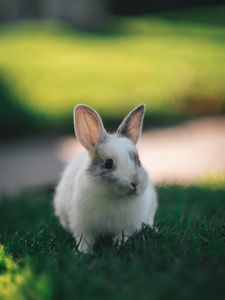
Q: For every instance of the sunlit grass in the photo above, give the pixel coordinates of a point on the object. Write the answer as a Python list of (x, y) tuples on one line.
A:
[(214, 180), (168, 61), (19, 282)]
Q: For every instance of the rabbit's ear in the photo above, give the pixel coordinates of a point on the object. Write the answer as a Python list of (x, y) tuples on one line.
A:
[(131, 126), (88, 126)]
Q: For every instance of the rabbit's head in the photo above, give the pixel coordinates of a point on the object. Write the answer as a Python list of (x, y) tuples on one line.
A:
[(114, 161)]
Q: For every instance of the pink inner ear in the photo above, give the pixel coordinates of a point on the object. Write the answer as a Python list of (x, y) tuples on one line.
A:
[(134, 127), (87, 128), (92, 126)]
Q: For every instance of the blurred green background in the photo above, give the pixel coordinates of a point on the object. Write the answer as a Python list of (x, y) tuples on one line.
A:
[(172, 61)]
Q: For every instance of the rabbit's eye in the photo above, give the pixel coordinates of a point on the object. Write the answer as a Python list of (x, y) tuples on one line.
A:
[(108, 163)]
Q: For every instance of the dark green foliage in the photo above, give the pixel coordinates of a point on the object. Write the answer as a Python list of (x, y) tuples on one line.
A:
[(146, 6), (185, 259)]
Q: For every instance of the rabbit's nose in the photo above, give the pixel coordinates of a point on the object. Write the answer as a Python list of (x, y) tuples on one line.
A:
[(133, 186)]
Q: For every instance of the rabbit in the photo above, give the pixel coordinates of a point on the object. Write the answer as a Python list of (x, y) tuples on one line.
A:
[(106, 190)]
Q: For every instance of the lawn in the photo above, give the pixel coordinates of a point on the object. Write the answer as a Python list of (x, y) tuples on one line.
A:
[(174, 62), (185, 259)]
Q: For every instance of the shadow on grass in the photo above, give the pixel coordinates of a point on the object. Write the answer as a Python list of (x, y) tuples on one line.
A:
[(18, 120), (15, 119), (185, 258), (209, 15)]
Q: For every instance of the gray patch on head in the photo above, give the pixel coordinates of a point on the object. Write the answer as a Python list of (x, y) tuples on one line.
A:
[(134, 157), (102, 140), (99, 172)]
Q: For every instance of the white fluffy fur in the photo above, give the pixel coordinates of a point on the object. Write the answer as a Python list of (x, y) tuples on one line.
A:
[(88, 207)]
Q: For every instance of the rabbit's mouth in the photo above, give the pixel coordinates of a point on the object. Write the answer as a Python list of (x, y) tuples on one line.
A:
[(122, 190), (113, 186)]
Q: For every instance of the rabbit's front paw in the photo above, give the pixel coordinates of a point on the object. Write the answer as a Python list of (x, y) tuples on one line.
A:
[(120, 239), (85, 244)]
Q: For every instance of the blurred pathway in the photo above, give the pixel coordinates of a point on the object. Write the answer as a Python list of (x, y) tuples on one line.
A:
[(181, 154)]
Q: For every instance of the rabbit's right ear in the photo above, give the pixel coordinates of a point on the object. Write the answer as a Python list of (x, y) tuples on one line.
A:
[(131, 126), (88, 126)]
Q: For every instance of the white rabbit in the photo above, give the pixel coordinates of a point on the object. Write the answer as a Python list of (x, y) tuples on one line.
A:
[(106, 190)]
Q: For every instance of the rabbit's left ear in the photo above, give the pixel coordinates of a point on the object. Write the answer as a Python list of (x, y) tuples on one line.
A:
[(131, 126), (88, 127)]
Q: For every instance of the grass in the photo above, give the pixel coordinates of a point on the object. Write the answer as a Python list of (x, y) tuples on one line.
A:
[(185, 259), (19, 282), (174, 62)]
